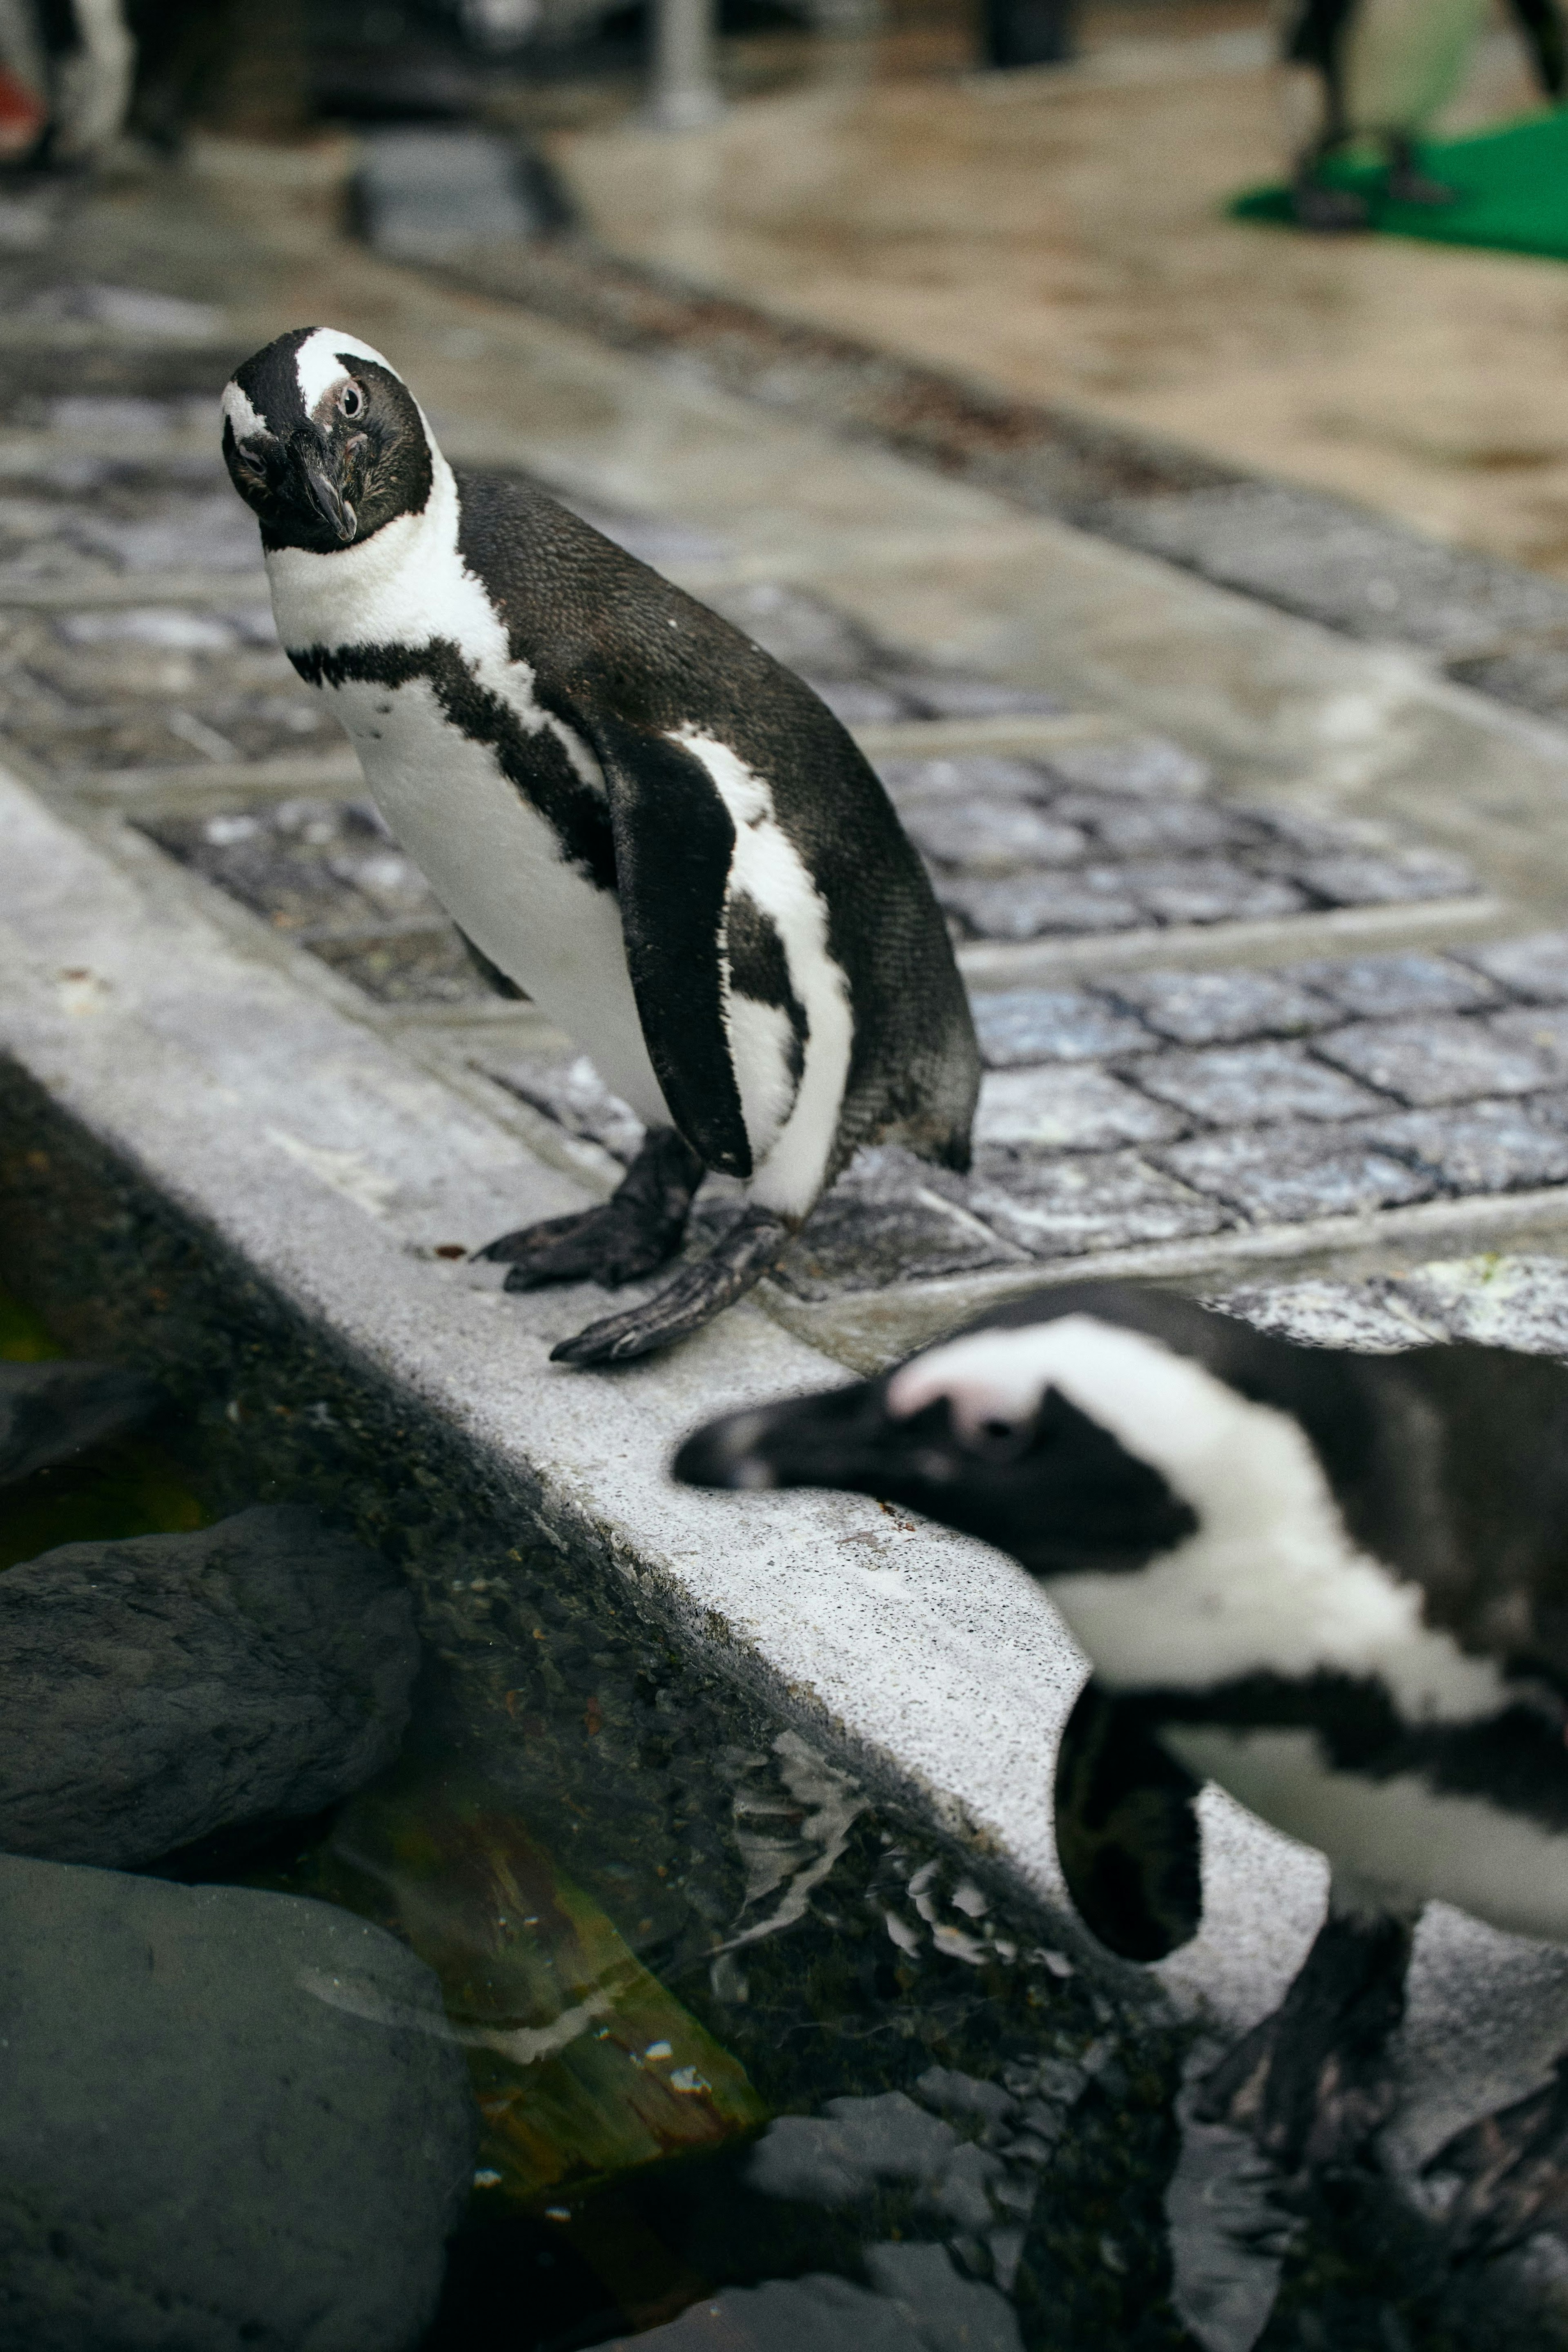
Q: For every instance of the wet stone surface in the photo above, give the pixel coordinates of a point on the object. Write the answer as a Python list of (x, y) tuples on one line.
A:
[(1097, 1131)]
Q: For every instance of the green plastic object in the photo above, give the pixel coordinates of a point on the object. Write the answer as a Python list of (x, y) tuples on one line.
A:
[(1511, 191)]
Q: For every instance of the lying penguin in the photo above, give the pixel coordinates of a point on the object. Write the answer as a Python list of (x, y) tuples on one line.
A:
[(1378, 71), (1336, 1584), (636, 816)]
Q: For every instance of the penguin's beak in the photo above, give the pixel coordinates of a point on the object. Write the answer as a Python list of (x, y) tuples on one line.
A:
[(314, 467), (842, 1437)]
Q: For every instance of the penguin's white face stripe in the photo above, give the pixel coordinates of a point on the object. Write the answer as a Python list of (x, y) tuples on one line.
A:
[(1400, 1839), (238, 412), (1269, 1583), (790, 1161), (319, 369)]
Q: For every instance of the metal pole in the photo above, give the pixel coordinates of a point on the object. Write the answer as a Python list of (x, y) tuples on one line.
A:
[(684, 95)]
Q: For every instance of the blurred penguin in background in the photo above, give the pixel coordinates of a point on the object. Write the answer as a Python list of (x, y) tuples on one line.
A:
[(1378, 71), (75, 62)]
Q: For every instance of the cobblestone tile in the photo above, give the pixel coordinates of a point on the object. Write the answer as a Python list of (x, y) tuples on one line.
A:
[(1149, 768), (1535, 968), (1458, 1058), (1061, 1208), (1537, 1029), (940, 694), (1019, 1025), (1488, 1146), (1240, 1085), (858, 701), (975, 776), (797, 628), (1290, 1175), (1066, 1110), (1208, 890), (1133, 828), (1031, 907), (1384, 987), (1213, 1008), (883, 1222), (569, 1089), (303, 863), (422, 967), (993, 838)]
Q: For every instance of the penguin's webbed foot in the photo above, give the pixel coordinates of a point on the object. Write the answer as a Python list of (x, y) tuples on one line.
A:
[(631, 1235), (1514, 2170), (1332, 212), (1313, 2081), (698, 1294), (1408, 184)]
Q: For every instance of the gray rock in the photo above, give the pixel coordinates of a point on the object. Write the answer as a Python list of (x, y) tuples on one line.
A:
[(1322, 1313), (814, 2314), (1453, 1059), (1285, 1175), (943, 694), (855, 2147), (1540, 1030), (1019, 1025), (884, 1221), (49, 1412), (943, 2310), (1235, 1086), (227, 2120), (160, 1688), (1384, 987)]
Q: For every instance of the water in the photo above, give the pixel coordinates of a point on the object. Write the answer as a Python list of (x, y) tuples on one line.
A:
[(730, 2018)]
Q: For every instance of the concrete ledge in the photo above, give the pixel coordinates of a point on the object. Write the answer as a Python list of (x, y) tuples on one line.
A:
[(332, 1166)]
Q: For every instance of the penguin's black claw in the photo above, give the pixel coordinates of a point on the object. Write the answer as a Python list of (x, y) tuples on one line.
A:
[(698, 1294), (631, 1234), (1332, 212), (1513, 2168), (1313, 2082)]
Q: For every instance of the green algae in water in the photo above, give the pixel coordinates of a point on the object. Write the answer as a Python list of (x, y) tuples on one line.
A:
[(584, 2066), (126, 1486)]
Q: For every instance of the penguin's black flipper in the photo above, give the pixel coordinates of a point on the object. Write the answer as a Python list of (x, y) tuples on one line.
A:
[(1540, 22), (674, 843), (1127, 1831)]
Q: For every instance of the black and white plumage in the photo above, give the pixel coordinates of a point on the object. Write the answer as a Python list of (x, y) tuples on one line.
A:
[(1336, 1584), (631, 811), (1378, 71)]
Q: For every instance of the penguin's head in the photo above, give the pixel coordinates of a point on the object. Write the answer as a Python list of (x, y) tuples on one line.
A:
[(324, 441), (1077, 1445)]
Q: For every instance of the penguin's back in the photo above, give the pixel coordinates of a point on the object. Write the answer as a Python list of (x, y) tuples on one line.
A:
[(825, 881)]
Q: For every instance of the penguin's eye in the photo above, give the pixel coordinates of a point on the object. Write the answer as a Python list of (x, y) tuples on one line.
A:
[(351, 399)]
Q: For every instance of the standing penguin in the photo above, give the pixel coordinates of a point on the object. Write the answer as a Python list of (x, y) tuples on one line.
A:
[(1336, 1584), (1379, 70), (633, 813)]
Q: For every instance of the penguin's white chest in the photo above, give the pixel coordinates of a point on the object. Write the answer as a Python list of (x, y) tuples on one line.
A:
[(1403, 59), (496, 866)]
